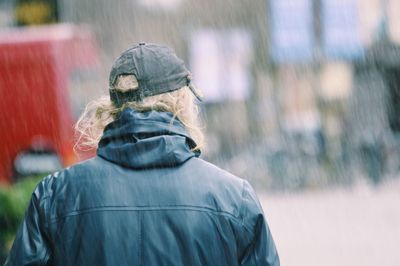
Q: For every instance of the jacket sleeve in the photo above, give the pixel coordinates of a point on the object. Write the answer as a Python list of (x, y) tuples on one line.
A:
[(260, 247), (31, 245)]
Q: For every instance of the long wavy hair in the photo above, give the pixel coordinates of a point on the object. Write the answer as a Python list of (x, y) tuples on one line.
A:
[(100, 112)]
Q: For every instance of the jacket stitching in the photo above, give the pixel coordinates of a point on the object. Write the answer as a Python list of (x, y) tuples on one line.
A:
[(145, 208)]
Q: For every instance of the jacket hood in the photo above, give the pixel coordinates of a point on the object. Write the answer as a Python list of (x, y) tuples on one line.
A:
[(141, 140)]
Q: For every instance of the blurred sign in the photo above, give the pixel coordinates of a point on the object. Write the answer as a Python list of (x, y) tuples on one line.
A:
[(35, 12), (341, 29), (291, 30), (336, 80), (220, 62)]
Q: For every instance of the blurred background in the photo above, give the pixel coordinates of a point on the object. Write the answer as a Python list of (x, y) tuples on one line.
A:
[(302, 98)]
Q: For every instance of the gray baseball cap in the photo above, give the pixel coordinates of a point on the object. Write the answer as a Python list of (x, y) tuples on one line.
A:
[(157, 69)]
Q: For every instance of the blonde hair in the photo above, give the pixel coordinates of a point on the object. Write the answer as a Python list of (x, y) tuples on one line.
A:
[(100, 112)]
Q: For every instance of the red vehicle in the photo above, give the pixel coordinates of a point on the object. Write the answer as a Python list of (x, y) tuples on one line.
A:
[(36, 124)]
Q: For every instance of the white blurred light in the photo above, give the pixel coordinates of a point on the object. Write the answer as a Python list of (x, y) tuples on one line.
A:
[(168, 5)]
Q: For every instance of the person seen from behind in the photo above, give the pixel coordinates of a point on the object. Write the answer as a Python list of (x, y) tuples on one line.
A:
[(146, 198)]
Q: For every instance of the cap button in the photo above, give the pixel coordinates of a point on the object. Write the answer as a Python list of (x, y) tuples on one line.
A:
[(142, 43)]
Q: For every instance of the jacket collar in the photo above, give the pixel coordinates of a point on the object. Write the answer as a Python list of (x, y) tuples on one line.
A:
[(142, 140)]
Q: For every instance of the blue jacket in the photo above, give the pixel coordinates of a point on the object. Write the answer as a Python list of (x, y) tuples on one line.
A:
[(145, 199)]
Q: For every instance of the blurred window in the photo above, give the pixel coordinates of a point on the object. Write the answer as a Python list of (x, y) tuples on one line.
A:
[(220, 61), (292, 31), (341, 29)]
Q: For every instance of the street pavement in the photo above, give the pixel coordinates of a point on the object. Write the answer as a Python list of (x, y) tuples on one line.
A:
[(358, 226)]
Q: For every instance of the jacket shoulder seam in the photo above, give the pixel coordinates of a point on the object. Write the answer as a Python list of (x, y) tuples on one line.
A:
[(241, 214), (145, 208)]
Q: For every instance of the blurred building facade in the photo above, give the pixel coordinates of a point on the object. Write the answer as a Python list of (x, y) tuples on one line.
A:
[(284, 68)]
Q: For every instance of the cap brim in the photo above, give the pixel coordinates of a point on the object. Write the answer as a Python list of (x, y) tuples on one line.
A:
[(196, 92)]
